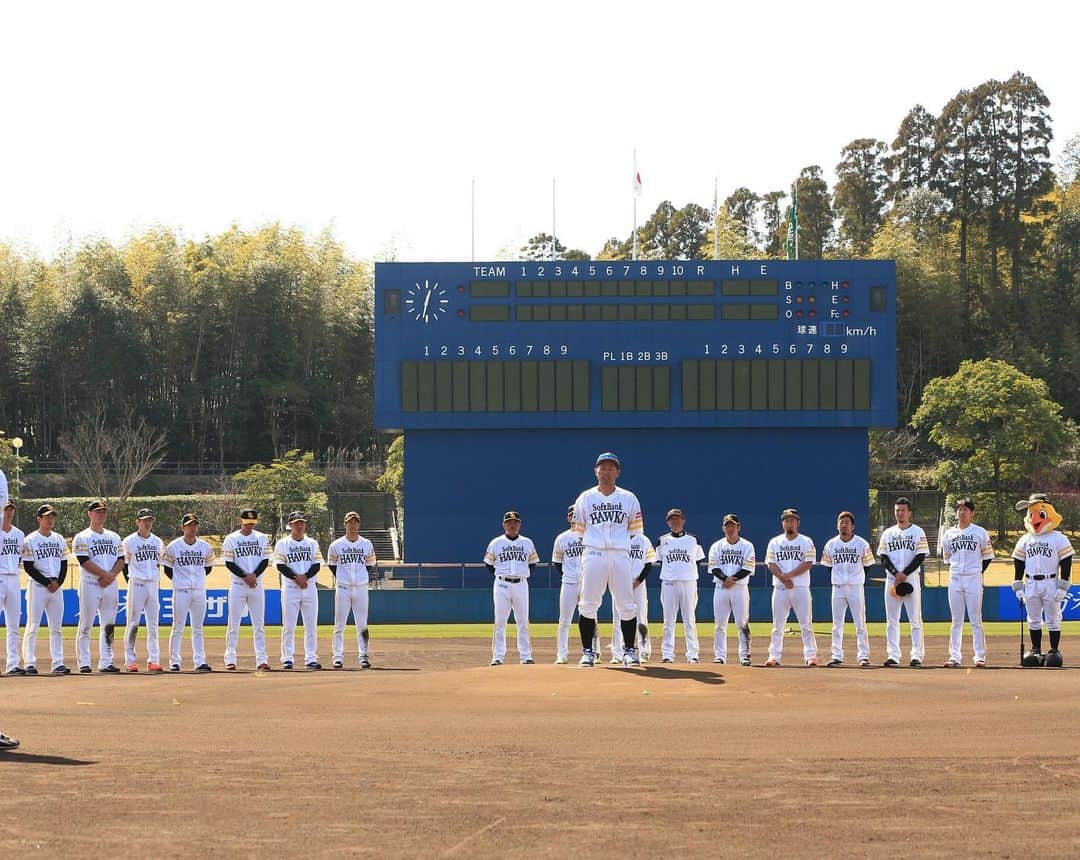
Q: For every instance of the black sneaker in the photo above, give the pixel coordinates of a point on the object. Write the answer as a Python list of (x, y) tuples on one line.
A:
[(833, 663), (286, 664), (313, 665), (18, 670), (915, 663), (175, 667), (204, 667), (110, 670), (84, 670), (30, 670), (365, 663), (890, 664), (59, 670), (338, 664)]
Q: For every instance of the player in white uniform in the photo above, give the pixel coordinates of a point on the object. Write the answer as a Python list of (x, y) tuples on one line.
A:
[(566, 557), (1043, 557), (351, 559), (45, 562), (790, 556), (142, 561), (11, 548), (6, 743), (732, 562), (510, 558), (246, 553), (188, 560), (605, 516), (101, 559), (848, 556), (642, 558), (967, 549), (298, 559), (902, 551), (678, 553)]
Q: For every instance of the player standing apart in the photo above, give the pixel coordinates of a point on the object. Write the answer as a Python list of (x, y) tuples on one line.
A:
[(7, 743), (732, 562), (606, 516), (902, 551), (566, 557), (642, 558), (678, 553), (298, 560), (188, 561), (790, 556), (967, 549), (246, 553), (142, 557), (45, 562), (510, 558), (351, 560), (848, 556), (1043, 556), (101, 559), (11, 549)]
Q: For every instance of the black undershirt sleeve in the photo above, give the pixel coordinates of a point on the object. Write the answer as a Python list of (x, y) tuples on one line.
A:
[(284, 570), (887, 563), (234, 569), (333, 570), (915, 564), (986, 563), (558, 567), (1066, 568), (168, 570), (718, 573), (314, 569), (83, 559), (644, 575), (262, 566), (127, 578), (35, 574), (63, 571), (532, 569), (1018, 568), (742, 574), (208, 570), (490, 567)]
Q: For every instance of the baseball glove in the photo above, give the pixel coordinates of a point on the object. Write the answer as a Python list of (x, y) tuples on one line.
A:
[(903, 589)]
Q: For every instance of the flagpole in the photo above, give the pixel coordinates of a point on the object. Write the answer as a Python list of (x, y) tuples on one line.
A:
[(634, 255), (472, 218), (553, 239), (795, 197), (715, 226)]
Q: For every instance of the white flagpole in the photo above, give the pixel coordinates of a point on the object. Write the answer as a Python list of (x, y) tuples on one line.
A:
[(715, 225), (636, 192), (553, 239), (795, 196), (472, 219)]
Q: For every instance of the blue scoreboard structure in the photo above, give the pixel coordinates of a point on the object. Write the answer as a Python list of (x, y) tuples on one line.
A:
[(739, 385)]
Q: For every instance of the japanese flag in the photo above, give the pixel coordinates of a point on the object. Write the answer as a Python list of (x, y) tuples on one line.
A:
[(637, 178)]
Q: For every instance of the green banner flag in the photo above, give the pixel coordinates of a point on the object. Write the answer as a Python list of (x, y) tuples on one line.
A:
[(791, 244)]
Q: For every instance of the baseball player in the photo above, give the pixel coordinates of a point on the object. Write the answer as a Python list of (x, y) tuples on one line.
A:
[(11, 548), (642, 558), (45, 561), (967, 549), (606, 516), (566, 557), (902, 551), (790, 556), (101, 558), (732, 563), (1043, 556), (351, 559), (142, 559), (4, 498), (510, 558), (298, 559), (848, 556), (188, 560), (247, 555), (678, 553)]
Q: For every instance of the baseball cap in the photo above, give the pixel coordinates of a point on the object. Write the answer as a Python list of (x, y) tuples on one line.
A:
[(189, 519), (1031, 500), (297, 515), (145, 513), (96, 505), (731, 518), (511, 516), (674, 512), (352, 515), (790, 512), (249, 515), (607, 455), (45, 510)]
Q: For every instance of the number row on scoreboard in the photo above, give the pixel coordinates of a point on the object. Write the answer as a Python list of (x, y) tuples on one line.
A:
[(495, 386), (776, 384)]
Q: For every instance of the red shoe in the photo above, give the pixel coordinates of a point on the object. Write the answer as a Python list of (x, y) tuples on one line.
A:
[(771, 663), (153, 667), (133, 667), (811, 663), (263, 667)]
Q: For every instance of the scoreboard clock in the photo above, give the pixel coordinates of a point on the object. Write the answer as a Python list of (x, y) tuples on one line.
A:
[(701, 368)]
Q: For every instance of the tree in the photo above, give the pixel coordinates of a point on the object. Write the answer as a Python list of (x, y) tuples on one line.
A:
[(289, 483), (12, 465), (727, 238), (911, 162), (999, 425), (815, 214), (393, 479), (772, 215), (673, 234), (859, 196), (742, 205), (539, 248)]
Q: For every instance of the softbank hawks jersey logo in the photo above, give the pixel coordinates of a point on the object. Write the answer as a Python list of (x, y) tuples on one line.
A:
[(190, 559), (513, 553), (677, 554), (575, 549), (102, 546), (791, 553), (637, 552), (840, 555), (730, 556), (1041, 549), (960, 543), (295, 554), (10, 546), (897, 544), (606, 512), (43, 550), (248, 549), (352, 556), (147, 552)]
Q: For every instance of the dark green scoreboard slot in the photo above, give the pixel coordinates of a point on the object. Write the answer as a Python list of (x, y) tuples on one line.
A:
[(636, 388), (495, 386), (775, 385)]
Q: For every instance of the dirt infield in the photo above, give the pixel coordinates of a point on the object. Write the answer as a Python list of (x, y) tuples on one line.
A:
[(433, 753)]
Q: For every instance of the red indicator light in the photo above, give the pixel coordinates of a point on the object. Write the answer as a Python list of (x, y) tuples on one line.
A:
[(846, 312), (813, 313), (461, 289), (844, 285), (461, 313)]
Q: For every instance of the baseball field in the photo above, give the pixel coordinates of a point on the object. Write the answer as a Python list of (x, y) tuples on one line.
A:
[(433, 753)]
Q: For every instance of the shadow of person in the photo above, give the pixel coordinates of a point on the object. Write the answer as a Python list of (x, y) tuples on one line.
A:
[(17, 756), (702, 676)]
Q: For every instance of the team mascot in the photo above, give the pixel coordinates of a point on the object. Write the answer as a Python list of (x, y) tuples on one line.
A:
[(1043, 563)]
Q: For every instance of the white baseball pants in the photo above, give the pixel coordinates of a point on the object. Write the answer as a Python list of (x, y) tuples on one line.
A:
[(11, 606), (784, 600), (966, 593), (187, 601), (252, 601), (142, 598), (679, 596), (511, 596), (912, 604), (1040, 602), (851, 598), (607, 569), (569, 594), (352, 598), (641, 598), (730, 602), (39, 600), (103, 603), (296, 601)]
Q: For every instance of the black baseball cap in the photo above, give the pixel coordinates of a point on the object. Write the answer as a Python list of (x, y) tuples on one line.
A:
[(790, 512), (607, 455), (731, 518), (297, 516), (674, 512), (145, 513), (511, 516), (189, 519), (249, 515), (97, 505), (45, 510)]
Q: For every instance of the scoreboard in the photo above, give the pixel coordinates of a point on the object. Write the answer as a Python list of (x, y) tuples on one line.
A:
[(554, 359)]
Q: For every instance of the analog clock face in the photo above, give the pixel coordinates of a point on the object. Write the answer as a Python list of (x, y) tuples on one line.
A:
[(426, 302)]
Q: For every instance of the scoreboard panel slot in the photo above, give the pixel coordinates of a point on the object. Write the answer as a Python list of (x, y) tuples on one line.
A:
[(643, 389), (845, 380), (759, 381), (793, 397), (546, 385), (661, 387), (776, 383), (764, 288), (810, 379), (691, 400), (724, 384), (426, 384), (741, 385), (530, 387), (862, 383), (409, 395), (477, 387), (564, 386), (495, 385), (489, 289), (627, 390), (489, 313), (609, 389), (460, 385), (512, 374), (707, 385), (827, 389)]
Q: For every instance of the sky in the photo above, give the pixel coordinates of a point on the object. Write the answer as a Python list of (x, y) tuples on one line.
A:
[(377, 120)]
